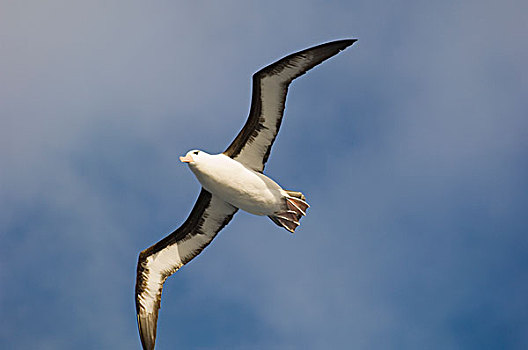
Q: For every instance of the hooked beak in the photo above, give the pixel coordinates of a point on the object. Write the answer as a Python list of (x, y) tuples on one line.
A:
[(186, 159)]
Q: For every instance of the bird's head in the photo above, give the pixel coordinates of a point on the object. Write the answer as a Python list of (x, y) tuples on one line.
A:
[(193, 157)]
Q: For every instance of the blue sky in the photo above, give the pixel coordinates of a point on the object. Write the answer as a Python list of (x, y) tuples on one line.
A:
[(411, 147)]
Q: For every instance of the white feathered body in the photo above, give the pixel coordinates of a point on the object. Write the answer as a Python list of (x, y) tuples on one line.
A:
[(241, 187)]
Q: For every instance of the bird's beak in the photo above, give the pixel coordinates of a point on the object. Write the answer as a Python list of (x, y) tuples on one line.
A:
[(186, 159)]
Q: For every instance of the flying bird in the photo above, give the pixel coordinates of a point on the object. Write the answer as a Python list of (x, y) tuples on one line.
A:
[(230, 181)]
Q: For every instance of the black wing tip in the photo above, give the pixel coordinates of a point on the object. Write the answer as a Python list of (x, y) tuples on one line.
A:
[(350, 41), (147, 329), (342, 43), (339, 44)]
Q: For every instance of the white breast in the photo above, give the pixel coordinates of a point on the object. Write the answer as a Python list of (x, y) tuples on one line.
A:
[(241, 187)]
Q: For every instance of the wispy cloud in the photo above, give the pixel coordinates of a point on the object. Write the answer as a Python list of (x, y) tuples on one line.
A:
[(410, 147)]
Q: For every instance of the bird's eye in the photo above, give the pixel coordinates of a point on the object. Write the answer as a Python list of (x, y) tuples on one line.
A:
[(195, 152)]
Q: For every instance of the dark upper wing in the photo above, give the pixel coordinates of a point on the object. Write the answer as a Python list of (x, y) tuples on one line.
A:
[(253, 144), (155, 264)]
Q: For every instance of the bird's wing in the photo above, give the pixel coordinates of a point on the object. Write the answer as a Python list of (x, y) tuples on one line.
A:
[(155, 264), (252, 145)]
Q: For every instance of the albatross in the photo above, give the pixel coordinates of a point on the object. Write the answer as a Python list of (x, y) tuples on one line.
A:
[(230, 181)]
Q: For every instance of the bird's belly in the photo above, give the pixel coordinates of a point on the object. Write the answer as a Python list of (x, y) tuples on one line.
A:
[(254, 202), (244, 189)]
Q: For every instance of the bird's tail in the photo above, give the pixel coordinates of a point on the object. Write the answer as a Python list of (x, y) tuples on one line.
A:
[(296, 208)]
